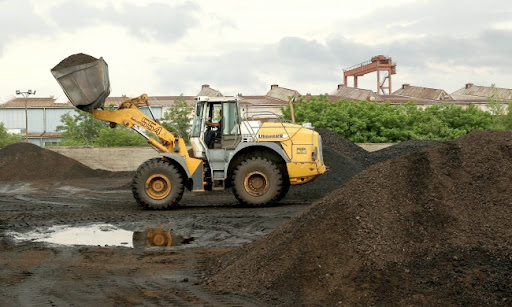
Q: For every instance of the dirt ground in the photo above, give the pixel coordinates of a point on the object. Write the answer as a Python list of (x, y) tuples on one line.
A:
[(39, 273), (40, 189), (419, 223)]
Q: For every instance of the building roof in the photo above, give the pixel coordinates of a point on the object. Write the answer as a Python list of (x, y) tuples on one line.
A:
[(472, 92), (262, 101), (206, 90), (281, 93), (44, 134), (279, 96), (351, 93), (423, 93), (35, 103)]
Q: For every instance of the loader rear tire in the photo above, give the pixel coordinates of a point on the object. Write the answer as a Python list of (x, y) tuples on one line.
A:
[(257, 182), (284, 190), (157, 184)]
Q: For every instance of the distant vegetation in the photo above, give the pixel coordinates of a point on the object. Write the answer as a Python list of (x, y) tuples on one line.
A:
[(178, 118), (7, 138), (499, 107), (373, 122), (360, 122), (83, 129)]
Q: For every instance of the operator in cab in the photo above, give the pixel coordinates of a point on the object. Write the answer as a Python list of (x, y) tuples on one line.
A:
[(212, 134)]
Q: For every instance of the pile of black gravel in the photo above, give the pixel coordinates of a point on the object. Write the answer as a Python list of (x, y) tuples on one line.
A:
[(341, 168), (394, 151), (344, 160), (341, 145), (431, 228), (29, 162)]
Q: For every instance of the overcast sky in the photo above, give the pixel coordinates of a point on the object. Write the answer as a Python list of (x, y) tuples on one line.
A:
[(173, 47)]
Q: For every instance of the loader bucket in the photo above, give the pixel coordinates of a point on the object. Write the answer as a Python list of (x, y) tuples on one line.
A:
[(84, 79)]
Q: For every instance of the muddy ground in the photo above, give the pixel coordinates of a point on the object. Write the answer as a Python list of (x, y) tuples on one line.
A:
[(38, 273), (341, 239), (40, 189)]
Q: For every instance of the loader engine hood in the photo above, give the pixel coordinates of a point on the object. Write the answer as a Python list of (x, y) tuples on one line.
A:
[(301, 145)]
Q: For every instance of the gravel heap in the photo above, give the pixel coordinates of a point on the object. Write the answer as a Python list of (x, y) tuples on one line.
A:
[(344, 160), (394, 151), (340, 169), (29, 162), (75, 59), (428, 228), (341, 145)]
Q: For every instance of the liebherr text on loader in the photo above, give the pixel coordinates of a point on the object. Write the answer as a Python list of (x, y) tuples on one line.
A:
[(258, 159)]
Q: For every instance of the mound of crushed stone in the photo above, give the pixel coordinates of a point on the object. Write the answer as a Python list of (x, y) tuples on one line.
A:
[(394, 151), (29, 162), (344, 160), (340, 169), (341, 145), (428, 228)]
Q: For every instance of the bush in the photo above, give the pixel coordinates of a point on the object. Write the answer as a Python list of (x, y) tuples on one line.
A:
[(374, 122), (7, 138)]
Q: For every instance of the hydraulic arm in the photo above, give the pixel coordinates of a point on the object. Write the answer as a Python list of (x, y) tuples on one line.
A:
[(130, 116)]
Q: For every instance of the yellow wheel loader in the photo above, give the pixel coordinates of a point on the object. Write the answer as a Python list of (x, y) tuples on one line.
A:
[(258, 159)]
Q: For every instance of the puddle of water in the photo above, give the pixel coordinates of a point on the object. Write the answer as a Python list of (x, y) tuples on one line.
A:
[(16, 188), (67, 188), (102, 235), (71, 189), (98, 234)]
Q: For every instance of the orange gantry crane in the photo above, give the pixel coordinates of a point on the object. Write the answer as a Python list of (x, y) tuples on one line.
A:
[(376, 64)]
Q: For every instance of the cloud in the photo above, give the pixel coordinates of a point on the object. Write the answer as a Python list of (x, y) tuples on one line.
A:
[(305, 65), (490, 48), (436, 17), (17, 19), (441, 44), (440, 61), (163, 22)]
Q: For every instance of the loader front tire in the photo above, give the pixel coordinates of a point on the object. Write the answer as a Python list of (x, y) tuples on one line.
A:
[(257, 182), (157, 184)]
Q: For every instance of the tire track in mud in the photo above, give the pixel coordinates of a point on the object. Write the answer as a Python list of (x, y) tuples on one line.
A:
[(37, 286), (181, 286)]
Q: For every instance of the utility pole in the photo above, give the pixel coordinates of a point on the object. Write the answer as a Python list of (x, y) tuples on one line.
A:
[(25, 95)]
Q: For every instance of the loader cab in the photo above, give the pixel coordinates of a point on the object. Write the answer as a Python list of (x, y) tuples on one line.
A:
[(224, 110)]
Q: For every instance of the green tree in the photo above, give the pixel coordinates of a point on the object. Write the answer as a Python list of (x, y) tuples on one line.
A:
[(498, 106), (177, 119), (507, 118), (382, 122), (7, 138), (80, 129), (118, 137), (83, 129)]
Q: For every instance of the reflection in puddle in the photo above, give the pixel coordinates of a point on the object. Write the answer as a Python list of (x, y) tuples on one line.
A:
[(102, 235), (158, 237)]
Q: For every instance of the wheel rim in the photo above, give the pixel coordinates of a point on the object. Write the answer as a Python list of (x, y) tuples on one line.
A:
[(158, 186), (159, 240), (256, 183)]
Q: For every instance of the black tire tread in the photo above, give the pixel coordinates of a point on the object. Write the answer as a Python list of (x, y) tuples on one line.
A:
[(140, 178), (281, 187)]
